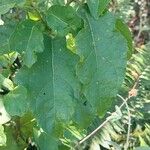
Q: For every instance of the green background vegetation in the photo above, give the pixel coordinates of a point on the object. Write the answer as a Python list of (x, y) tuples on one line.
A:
[(69, 67)]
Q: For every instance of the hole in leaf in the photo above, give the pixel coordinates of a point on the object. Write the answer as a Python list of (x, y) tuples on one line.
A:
[(0, 114)]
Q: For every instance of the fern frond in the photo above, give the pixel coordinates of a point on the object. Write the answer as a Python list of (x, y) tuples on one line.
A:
[(137, 77)]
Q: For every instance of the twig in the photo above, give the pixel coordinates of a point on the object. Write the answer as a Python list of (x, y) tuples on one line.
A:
[(129, 122), (106, 121), (140, 28), (95, 131)]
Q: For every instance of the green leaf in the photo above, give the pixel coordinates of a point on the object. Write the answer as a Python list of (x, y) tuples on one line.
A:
[(71, 43), (94, 7), (27, 38), (6, 32), (27, 124), (16, 101), (6, 83), (62, 19), (11, 143), (103, 5), (124, 30), (51, 84), (103, 60), (5, 5), (2, 136), (97, 7), (47, 142)]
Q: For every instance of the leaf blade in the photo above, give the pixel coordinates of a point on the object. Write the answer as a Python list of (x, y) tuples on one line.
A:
[(15, 102), (124, 30), (6, 32), (5, 5), (94, 7), (103, 60), (23, 40), (103, 5), (57, 89), (62, 19)]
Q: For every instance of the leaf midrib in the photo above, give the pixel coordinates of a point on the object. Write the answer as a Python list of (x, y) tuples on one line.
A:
[(53, 82), (94, 42), (95, 49)]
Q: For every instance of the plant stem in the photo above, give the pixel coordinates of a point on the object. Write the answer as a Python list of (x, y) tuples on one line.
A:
[(129, 122), (95, 131), (107, 120)]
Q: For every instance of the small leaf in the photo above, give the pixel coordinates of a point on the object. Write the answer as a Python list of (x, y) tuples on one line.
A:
[(71, 43), (115, 145), (97, 7), (5, 5), (94, 7), (16, 101), (143, 142), (103, 5), (6, 83), (62, 19), (33, 15), (27, 38), (6, 32)]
